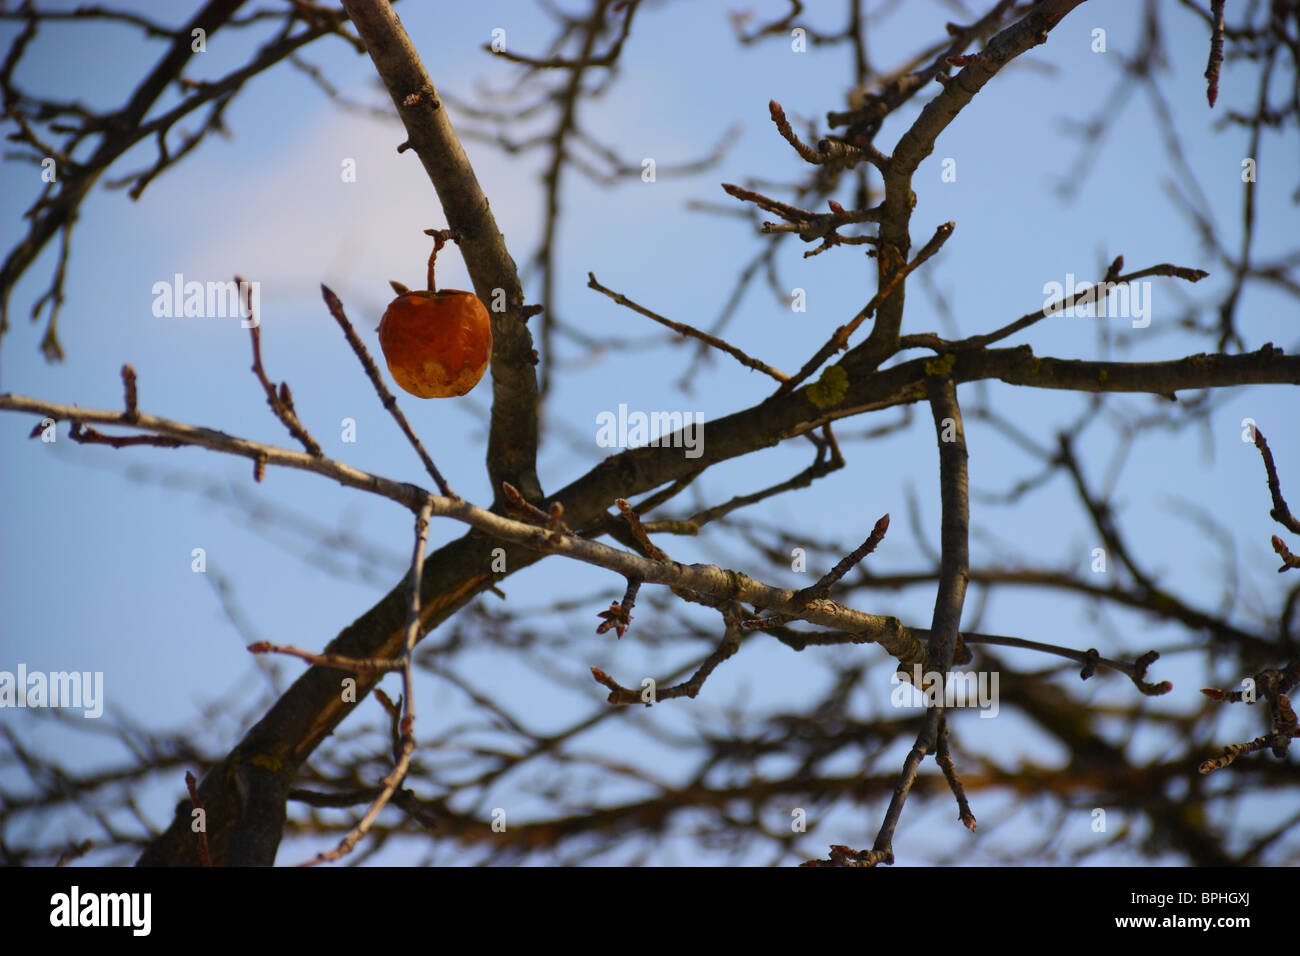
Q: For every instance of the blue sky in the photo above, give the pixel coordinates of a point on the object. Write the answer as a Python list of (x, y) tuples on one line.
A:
[(96, 564)]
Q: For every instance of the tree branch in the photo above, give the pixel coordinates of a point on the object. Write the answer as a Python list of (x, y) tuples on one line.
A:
[(513, 436)]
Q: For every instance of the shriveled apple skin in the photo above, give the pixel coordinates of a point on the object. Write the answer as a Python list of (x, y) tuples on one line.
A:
[(437, 344)]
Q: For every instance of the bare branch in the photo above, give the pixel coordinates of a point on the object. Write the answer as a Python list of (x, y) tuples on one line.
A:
[(683, 329), (513, 437)]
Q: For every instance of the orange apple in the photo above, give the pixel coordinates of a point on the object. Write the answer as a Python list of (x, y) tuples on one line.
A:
[(437, 344)]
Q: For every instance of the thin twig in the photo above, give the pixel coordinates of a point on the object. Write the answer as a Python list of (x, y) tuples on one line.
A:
[(359, 665), (394, 779), (943, 758), (1216, 52), (1089, 294), (682, 329), (849, 561), (281, 401), (622, 696), (840, 339), (1280, 512), (386, 398)]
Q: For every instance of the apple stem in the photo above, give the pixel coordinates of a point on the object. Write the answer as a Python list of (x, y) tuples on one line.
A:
[(438, 242)]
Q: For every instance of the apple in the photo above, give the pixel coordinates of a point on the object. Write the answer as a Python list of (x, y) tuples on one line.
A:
[(437, 344)]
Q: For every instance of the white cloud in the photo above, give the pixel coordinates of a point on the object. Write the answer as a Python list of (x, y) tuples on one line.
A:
[(299, 224)]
